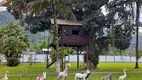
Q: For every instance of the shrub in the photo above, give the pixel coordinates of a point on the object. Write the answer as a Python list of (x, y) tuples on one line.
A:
[(12, 62), (30, 59), (94, 58)]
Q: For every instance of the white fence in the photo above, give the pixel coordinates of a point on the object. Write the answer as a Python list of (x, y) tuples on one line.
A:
[(73, 58), (118, 58)]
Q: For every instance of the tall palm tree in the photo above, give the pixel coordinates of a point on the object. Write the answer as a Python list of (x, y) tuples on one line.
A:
[(137, 21), (138, 4), (137, 31), (35, 7)]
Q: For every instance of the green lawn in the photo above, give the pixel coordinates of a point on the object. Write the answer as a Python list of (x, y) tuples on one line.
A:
[(26, 72)]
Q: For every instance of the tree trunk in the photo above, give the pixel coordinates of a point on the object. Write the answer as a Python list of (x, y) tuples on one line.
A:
[(137, 32), (113, 37), (92, 51), (77, 58), (57, 65), (86, 57), (56, 38)]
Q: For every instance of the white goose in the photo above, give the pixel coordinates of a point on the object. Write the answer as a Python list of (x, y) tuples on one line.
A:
[(124, 76), (5, 76)]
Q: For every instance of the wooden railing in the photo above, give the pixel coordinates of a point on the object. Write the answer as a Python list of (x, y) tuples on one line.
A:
[(107, 77)]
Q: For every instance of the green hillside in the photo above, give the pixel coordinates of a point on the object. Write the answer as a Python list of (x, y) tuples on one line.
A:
[(6, 17)]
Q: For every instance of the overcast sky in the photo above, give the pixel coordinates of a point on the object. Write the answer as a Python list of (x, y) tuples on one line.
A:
[(2, 8), (1, 0)]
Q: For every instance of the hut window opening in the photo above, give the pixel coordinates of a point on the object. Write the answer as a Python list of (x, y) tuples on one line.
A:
[(75, 32)]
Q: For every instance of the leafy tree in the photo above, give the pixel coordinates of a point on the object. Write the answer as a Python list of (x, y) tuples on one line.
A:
[(126, 10), (123, 37), (118, 22), (13, 41), (64, 51), (37, 47), (38, 18), (34, 8), (43, 44), (94, 22), (121, 21)]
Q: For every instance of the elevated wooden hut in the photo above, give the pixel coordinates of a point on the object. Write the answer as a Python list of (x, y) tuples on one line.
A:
[(72, 33)]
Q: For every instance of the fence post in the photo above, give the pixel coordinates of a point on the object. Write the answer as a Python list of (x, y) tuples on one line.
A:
[(105, 58), (130, 59), (45, 57), (122, 58), (68, 57), (77, 59), (23, 59), (125, 57), (34, 58), (114, 58)]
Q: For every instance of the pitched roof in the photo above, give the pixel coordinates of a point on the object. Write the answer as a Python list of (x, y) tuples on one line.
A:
[(66, 22)]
